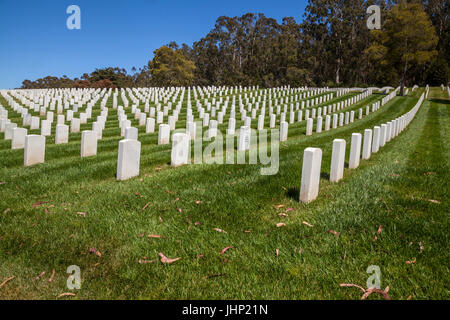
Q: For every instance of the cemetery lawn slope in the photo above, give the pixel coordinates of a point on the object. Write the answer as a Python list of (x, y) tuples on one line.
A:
[(221, 221)]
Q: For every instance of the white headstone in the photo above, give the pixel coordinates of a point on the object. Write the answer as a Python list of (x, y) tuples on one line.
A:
[(312, 162), (355, 151), (34, 150), (88, 143), (128, 160), (62, 134), (337, 160), (180, 149), (18, 138)]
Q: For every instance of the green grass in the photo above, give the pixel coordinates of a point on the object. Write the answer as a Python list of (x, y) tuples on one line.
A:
[(391, 189)]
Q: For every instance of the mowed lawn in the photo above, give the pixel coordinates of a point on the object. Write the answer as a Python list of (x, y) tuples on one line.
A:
[(392, 211)]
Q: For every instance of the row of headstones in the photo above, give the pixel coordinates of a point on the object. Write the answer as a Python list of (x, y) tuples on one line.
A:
[(191, 126), (373, 140), (34, 145)]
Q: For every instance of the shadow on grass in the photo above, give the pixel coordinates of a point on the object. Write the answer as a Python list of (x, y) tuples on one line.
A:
[(441, 101), (293, 193)]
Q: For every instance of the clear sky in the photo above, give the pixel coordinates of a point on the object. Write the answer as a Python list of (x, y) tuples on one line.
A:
[(35, 42)]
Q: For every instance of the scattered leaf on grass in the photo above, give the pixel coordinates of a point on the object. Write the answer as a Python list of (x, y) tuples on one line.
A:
[(281, 224), (146, 205), (370, 291), (198, 202), (7, 210), (289, 210), (38, 203), (155, 236), (283, 215), (197, 223), (52, 276), (166, 260), (40, 275), (6, 281), (66, 294), (334, 232), (277, 252), (434, 201), (411, 261), (143, 261), (352, 285), (380, 228), (82, 214), (307, 224), (219, 230), (179, 210), (280, 206), (92, 250), (225, 249), (2, 182), (421, 247)]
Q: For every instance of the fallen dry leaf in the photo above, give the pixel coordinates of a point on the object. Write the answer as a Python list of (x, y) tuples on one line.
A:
[(66, 294), (307, 224), (277, 252), (421, 247), (52, 276), (434, 201), (411, 262), (146, 205), (7, 210), (198, 202), (380, 228), (143, 261), (219, 230), (38, 203), (166, 260), (225, 249), (82, 214), (280, 206), (179, 210), (289, 210), (283, 215), (40, 275), (370, 291), (155, 236), (281, 224), (352, 285), (334, 232), (92, 250), (6, 281)]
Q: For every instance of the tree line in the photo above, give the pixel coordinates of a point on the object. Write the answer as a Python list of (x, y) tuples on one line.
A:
[(332, 46)]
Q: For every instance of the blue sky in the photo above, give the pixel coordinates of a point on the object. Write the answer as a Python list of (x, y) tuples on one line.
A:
[(34, 40)]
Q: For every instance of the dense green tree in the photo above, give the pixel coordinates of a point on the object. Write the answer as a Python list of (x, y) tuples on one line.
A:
[(406, 40), (170, 67)]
